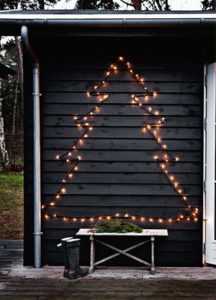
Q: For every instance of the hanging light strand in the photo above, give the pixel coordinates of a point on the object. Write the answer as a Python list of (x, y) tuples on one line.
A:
[(83, 123)]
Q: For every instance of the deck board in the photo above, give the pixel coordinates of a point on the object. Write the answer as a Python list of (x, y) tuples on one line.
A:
[(26, 283)]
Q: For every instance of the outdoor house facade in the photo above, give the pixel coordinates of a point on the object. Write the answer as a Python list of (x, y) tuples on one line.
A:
[(127, 123)]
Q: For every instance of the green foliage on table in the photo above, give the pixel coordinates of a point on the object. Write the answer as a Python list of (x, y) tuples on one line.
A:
[(117, 225)]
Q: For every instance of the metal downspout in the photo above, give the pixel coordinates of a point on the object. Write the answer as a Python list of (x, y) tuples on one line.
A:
[(36, 148)]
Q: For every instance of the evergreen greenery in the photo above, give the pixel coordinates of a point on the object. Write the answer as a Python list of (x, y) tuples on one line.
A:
[(117, 225)]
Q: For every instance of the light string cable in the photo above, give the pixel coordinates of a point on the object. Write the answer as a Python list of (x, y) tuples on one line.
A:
[(83, 122)]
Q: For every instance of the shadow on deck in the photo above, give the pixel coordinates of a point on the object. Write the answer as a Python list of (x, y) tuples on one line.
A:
[(26, 283)]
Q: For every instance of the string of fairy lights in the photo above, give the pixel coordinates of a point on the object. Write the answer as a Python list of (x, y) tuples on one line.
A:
[(84, 124)]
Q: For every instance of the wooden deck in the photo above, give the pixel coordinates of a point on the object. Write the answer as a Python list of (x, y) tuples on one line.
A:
[(26, 283)]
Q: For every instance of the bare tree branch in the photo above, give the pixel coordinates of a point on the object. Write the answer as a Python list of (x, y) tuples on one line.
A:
[(130, 4)]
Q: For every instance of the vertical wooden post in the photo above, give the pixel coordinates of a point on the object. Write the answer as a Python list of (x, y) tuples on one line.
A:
[(152, 255), (92, 253)]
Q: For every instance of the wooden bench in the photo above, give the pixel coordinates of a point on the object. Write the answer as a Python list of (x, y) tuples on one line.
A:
[(94, 237)]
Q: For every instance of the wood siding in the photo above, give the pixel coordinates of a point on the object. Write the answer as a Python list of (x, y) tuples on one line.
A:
[(117, 172)]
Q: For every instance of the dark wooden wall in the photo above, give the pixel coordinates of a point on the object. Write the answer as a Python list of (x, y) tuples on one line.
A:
[(117, 173)]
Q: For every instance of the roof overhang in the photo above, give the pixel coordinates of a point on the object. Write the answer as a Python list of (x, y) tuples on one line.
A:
[(11, 21)]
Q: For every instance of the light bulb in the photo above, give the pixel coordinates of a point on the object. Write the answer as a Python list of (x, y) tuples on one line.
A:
[(57, 156), (63, 190)]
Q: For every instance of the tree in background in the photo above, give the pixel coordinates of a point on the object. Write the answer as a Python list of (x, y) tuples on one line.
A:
[(111, 4), (209, 4)]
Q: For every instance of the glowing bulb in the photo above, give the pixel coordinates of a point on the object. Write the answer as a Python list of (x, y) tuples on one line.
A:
[(181, 216), (175, 184), (164, 146), (159, 139), (126, 215), (70, 175), (149, 126), (58, 196), (86, 124), (95, 87), (155, 157), (81, 142), (128, 64), (43, 206), (142, 219), (149, 109), (184, 198), (151, 220), (82, 220), (121, 58), (115, 68), (137, 76), (97, 108), (79, 157), (64, 180), (63, 190), (146, 98), (90, 128), (69, 153), (108, 218), (107, 73), (154, 93), (144, 130), (75, 118), (133, 218), (85, 118), (103, 82), (180, 191), (160, 220), (156, 113), (91, 220), (195, 219), (171, 178), (57, 156), (68, 161), (162, 166), (188, 219), (85, 135), (170, 220), (46, 217), (131, 71), (176, 158), (54, 216), (141, 80), (88, 94), (65, 219), (76, 168), (74, 219), (117, 215)]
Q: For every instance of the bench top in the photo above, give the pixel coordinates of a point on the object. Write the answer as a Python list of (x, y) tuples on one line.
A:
[(145, 232)]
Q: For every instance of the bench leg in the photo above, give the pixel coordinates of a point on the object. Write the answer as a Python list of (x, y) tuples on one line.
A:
[(152, 256), (92, 254)]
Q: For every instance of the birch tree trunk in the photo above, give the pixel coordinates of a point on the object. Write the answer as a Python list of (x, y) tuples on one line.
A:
[(3, 150)]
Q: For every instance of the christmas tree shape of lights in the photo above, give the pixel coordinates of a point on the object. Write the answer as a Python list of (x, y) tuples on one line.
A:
[(84, 123)]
